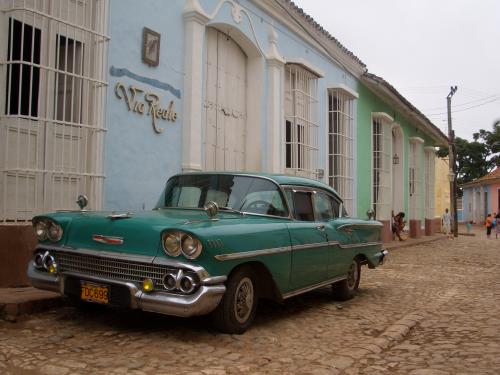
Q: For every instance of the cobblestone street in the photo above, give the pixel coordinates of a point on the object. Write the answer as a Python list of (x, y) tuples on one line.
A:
[(432, 309)]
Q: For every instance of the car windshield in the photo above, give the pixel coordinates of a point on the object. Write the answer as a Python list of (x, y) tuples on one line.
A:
[(230, 192)]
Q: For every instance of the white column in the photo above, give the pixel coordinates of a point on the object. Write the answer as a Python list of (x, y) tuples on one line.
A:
[(430, 157), (195, 20), (275, 115)]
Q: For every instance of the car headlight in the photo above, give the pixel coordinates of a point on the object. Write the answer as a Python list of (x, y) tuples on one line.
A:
[(175, 243), (48, 229), (54, 232), (172, 243), (41, 230), (191, 247)]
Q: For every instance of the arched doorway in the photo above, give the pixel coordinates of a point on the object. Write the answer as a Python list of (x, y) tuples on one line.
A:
[(225, 103)]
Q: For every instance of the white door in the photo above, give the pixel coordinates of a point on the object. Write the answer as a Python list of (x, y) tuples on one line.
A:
[(225, 103)]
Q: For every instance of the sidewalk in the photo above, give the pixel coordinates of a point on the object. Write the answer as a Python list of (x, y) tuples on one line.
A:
[(413, 241), (15, 302)]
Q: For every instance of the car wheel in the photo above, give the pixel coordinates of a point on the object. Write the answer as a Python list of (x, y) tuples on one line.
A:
[(346, 289), (236, 310)]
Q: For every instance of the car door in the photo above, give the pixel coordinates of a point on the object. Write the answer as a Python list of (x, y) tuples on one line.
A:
[(308, 240)]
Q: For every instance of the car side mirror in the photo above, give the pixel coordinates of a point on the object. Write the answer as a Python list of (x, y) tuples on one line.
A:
[(212, 209)]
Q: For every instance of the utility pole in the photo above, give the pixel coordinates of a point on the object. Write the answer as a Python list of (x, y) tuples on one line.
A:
[(452, 155)]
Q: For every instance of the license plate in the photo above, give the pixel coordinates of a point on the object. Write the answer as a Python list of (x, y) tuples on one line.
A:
[(94, 293)]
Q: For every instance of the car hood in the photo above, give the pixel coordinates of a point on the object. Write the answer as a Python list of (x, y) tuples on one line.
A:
[(134, 233)]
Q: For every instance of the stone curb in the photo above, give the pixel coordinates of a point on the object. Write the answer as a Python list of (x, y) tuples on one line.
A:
[(11, 311), (392, 336), (401, 244)]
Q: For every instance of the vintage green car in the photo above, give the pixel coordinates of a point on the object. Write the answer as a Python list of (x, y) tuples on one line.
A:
[(214, 244)]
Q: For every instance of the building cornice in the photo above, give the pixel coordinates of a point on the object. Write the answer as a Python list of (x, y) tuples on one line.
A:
[(389, 94), (287, 14)]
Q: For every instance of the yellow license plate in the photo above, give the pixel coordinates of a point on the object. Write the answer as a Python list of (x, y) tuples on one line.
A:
[(94, 293)]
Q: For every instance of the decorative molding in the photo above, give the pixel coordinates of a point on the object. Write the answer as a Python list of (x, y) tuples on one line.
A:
[(194, 12), (383, 116), (236, 11), (306, 65), (273, 56), (416, 140), (191, 167), (430, 149), (345, 90)]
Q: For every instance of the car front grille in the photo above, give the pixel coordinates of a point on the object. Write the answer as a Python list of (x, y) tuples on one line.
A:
[(117, 269)]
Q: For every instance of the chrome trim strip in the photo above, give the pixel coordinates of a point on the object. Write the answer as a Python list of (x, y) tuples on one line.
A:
[(312, 287), (214, 280), (108, 240), (374, 224), (253, 253), (364, 244), (279, 250), (99, 253), (310, 246), (114, 216)]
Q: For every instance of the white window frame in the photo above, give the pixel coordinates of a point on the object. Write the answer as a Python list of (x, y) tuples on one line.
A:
[(301, 123), (47, 160), (340, 143), (381, 130)]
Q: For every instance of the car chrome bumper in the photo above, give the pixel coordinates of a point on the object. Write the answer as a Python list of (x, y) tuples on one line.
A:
[(382, 255), (202, 302)]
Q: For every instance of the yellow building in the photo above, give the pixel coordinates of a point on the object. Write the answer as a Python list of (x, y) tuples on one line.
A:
[(442, 186)]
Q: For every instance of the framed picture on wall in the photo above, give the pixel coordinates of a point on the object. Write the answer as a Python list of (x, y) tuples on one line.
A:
[(150, 47)]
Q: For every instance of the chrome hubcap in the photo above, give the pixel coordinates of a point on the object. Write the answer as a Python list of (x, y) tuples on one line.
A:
[(352, 275), (243, 302)]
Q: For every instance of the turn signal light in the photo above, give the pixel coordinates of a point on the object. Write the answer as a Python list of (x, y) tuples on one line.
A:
[(147, 285)]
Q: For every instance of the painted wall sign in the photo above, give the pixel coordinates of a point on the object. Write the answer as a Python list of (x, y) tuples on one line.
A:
[(146, 103)]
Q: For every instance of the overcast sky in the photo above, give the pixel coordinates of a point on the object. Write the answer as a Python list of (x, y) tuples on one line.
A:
[(422, 47)]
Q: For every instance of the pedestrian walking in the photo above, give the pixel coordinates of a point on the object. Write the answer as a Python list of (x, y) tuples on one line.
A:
[(489, 224), (446, 223), (398, 224)]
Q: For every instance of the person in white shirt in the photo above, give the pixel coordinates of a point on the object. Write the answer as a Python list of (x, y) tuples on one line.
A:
[(446, 223)]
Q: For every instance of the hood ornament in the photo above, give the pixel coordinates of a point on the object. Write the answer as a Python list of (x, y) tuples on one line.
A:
[(82, 201), (211, 208)]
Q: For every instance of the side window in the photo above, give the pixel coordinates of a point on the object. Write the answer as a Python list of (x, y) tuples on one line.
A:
[(336, 207), (303, 206), (323, 207)]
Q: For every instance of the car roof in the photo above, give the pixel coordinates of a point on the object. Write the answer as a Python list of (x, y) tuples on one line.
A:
[(280, 179)]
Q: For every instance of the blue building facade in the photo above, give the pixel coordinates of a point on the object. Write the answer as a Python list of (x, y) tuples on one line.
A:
[(283, 66)]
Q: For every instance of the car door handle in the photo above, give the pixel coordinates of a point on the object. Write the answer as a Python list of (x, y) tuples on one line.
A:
[(320, 227)]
